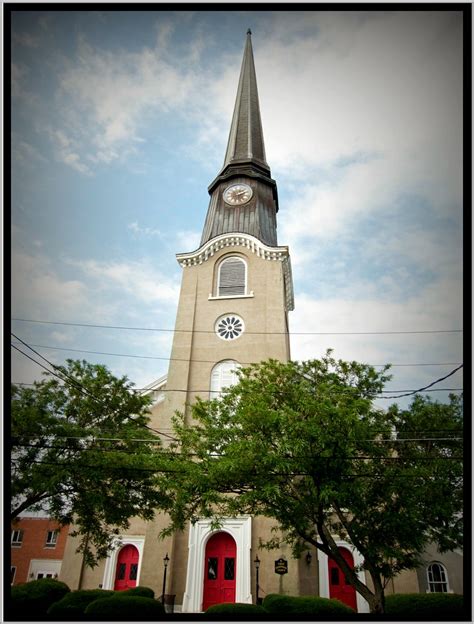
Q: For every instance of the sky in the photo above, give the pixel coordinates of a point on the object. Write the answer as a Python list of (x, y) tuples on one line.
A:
[(120, 121)]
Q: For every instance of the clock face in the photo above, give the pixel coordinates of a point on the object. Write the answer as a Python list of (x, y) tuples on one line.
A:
[(238, 194)]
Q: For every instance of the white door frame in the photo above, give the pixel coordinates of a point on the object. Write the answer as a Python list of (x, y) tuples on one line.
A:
[(362, 604), (108, 580), (199, 534)]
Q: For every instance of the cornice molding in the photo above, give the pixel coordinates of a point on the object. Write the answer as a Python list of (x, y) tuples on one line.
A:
[(280, 253)]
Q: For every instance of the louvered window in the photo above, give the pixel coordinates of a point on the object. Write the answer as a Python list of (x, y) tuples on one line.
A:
[(224, 374), (231, 277)]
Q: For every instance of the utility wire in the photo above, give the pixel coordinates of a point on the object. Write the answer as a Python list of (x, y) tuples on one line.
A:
[(169, 359), (282, 474), (292, 458), (408, 392), (425, 387), (78, 384), (202, 331)]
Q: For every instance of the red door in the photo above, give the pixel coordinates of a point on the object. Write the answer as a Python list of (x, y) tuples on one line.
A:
[(219, 571), (127, 568), (338, 587)]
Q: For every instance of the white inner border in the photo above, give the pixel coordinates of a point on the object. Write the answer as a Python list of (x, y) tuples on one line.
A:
[(228, 315), (200, 533), (108, 580), (362, 604)]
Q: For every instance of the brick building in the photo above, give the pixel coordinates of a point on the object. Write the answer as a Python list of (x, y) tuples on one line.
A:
[(37, 548)]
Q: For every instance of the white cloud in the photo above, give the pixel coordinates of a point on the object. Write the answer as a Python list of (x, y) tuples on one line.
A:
[(37, 289), (139, 279), (187, 240), (25, 153), (143, 231)]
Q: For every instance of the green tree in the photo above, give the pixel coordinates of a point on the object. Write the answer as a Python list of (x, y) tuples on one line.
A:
[(303, 444), (81, 449)]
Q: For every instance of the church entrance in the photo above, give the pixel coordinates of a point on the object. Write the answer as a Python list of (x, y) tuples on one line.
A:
[(127, 568), (338, 586), (220, 568)]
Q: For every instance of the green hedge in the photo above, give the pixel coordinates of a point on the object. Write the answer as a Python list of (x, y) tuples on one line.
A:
[(235, 608), (73, 605), (123, 607), (31, 601), (305, 605), (146, 592), (431, 606)]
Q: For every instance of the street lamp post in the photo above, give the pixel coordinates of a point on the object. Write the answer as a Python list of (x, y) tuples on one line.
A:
[(165, 561), (257, 566)]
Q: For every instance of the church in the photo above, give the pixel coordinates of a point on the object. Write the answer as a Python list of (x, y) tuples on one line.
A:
[(236, 295)]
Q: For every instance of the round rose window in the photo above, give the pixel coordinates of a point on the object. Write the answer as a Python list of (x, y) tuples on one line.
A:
[(229, 327)]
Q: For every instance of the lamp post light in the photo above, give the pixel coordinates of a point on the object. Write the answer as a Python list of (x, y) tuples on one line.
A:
[(257, 566), (308, 558), (165, 561)]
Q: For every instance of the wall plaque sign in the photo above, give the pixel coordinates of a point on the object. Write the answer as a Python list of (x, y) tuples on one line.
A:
[(281, 566)]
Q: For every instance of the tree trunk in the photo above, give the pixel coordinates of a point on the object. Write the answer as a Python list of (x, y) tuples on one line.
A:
[(377, 601)]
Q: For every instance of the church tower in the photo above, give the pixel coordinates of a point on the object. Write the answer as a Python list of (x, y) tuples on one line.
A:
[(236, 293), (236, 287)]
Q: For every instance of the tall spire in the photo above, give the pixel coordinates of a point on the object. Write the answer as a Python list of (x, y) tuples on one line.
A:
[(246, 135), (245, 169)]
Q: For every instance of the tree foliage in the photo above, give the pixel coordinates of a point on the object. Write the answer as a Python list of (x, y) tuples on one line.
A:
[(302, 443), (81, 450)]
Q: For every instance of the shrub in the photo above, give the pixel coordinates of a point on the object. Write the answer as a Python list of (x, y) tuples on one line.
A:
[(123, 607), (31, 601), (146, 592), (73, 605), (236, 608), (305, 605), (429, 606)]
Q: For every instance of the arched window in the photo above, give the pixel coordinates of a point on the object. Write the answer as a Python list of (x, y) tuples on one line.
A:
[(223, 375), (231, 278), (437, 577)]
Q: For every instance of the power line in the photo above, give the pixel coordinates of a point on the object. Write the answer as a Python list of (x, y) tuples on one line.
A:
[(202, 331), (425, 387), (22, 383), (77, 384), (275, 474), (169, 359), (292, 458)]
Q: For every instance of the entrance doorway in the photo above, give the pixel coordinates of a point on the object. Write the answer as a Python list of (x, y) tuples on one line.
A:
[(220, 569), (339, 588), (127, 568)]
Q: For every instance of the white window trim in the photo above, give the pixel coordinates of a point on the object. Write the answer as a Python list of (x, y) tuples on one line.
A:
[(199, 534), (214, 394), (448, 589), (221, 262), (17, 544), (362, 604), (218, 298), (108, 580), (54, 542)]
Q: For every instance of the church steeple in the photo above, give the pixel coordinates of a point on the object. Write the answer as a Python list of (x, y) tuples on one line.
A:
[(253, 210), (246, 135)]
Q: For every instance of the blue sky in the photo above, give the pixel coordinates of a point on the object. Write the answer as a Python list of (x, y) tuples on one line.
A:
[(120, 121)]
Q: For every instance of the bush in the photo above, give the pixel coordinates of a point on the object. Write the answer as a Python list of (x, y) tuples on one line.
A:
[(146, 592), (31, 601), (430, 606), (236, 608), (305, 605), (73, 605), (123, 607)]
